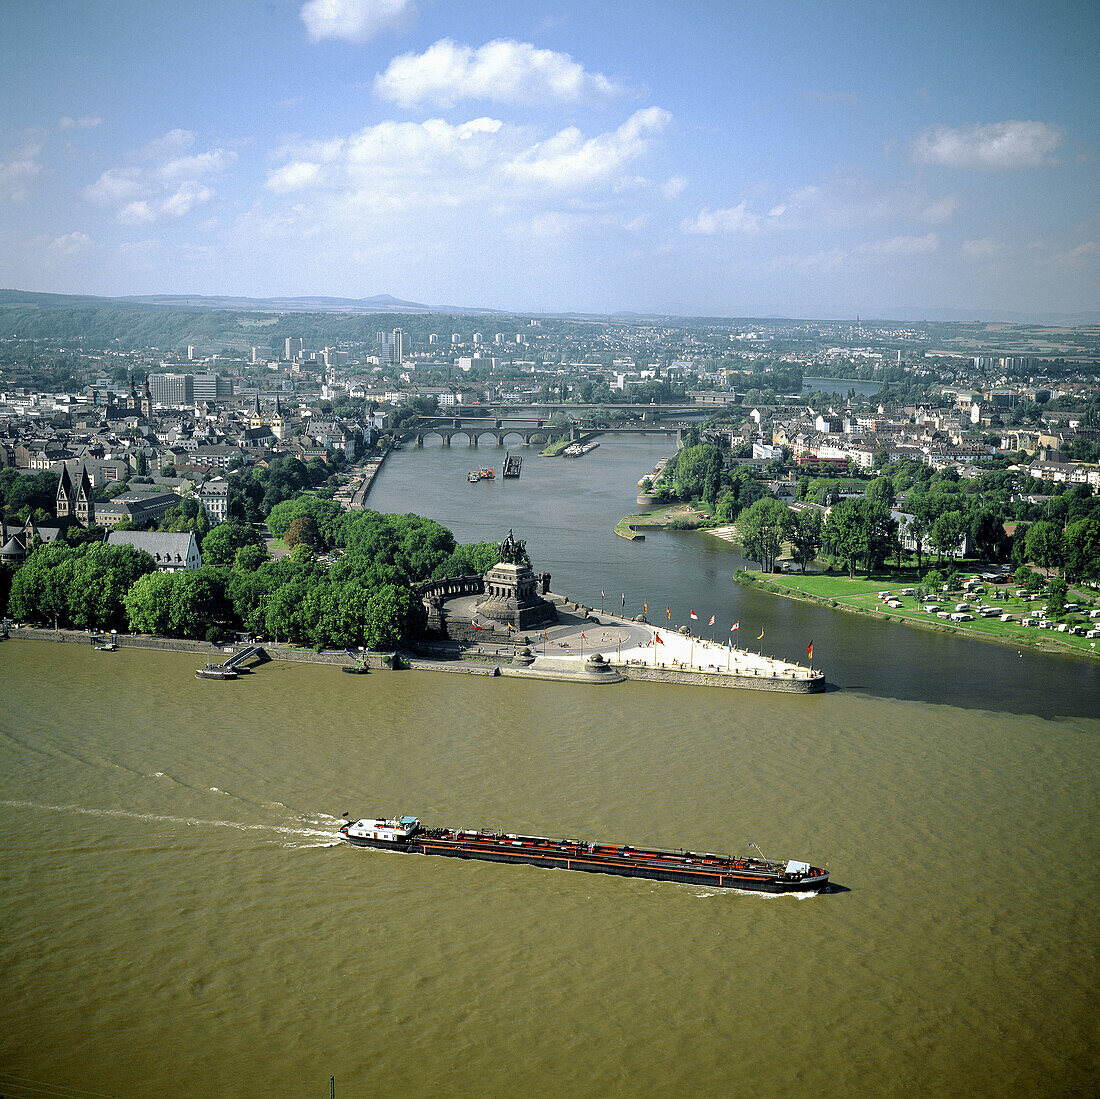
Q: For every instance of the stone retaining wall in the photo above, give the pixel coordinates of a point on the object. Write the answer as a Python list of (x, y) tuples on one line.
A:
[(646, 673), (214, 653)]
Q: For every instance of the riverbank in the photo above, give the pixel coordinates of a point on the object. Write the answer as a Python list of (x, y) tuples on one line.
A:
[(630, 651), (691, 516), (865, 597), (557, 449)]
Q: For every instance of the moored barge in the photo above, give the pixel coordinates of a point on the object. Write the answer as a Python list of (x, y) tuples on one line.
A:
[(406, 834)]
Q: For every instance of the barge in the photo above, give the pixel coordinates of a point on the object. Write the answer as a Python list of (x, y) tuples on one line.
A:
[(406, 834)]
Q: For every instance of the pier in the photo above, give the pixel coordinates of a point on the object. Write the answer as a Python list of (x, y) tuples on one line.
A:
[(513, 463)]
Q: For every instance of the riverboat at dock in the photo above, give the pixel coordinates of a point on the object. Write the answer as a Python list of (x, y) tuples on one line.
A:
[(406, 834), (513, 463)]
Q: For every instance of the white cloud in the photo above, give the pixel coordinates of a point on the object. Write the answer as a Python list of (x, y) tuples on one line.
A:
[(163, 184), (1078, 255), (70, 243), (18, 173), (941, 211), (993, 146), (137, 213), (900, 246), (733, 219), (569, 161), (503, 71), (115, 185), (673, 186), (85, 123), (353, 20), (982, 248), (202, 164)]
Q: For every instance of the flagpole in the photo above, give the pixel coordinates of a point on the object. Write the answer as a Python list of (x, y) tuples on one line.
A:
[(691, 652)]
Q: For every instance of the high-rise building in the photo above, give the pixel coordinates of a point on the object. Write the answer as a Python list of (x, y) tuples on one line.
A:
[(478, 338), (498, 338), (433, 338), (293, 347), (191, 356), (211, 387), (172, 390), (397, 346), (456, 339)]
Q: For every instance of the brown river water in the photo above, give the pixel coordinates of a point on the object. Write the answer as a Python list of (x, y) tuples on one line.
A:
[(177, 921)]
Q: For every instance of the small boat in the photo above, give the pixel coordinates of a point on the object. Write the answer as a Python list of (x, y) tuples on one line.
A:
[(215, 671), (354, 669), (473, 477), (488, 475), (106, 647)]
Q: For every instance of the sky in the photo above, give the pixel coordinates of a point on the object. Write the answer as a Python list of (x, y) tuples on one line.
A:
[(773, 157)]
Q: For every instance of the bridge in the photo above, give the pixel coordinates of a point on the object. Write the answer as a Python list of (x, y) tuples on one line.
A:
[(528, 431)]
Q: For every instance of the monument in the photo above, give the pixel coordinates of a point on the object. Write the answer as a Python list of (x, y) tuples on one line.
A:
[(511, 591)]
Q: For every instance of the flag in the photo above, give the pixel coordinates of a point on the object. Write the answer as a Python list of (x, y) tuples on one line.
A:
[(583, 638), (657, 638), (602, 596), (624, 598), (810, 650), (694, 616), (477, 627), (668, 612), (645, 608), (761, 637), (711, 622), (735, 626)]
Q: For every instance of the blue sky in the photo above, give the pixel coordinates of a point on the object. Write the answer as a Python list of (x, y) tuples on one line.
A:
[(773, 157)]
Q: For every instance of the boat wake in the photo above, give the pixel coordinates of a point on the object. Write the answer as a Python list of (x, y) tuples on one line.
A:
[(306, 828)]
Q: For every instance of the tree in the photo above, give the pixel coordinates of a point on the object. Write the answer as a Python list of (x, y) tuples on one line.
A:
[(198, 599), (303, 531), (806, 536), (947, 534), (1045, 545), (220, 545), (762, 528), (987, 535), (1082, 549), (1056, 598), (149, 602), (843, 535)]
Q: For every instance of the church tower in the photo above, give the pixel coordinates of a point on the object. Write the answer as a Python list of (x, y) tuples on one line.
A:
[(84, 503), (65, 494), (277, 425), (257, 415), (146, 401)]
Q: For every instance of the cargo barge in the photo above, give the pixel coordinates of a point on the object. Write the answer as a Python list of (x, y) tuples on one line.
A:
[(406, 834)]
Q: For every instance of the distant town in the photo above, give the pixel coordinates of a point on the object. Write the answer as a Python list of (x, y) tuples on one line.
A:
[(161, 425)]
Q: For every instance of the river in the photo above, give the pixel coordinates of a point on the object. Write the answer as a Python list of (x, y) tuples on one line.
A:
[(177, 922)]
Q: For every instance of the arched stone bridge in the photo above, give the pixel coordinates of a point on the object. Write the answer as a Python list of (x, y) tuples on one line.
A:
[(527, 432)]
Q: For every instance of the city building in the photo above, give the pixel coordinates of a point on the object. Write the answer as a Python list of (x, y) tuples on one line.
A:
[(172, 552), (172, 390)]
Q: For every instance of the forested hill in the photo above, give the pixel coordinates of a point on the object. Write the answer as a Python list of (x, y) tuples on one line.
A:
[(102, 322)]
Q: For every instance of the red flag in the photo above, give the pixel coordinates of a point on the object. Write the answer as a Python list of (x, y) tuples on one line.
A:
[(583, 638), (694, 616), (668, 611), (657, 638), (735, 626), (711, 622), (810, 650), (477, 627), (602, 596)]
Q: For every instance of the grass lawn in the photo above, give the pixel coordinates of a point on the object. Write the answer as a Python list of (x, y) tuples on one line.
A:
[(862, 594)]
